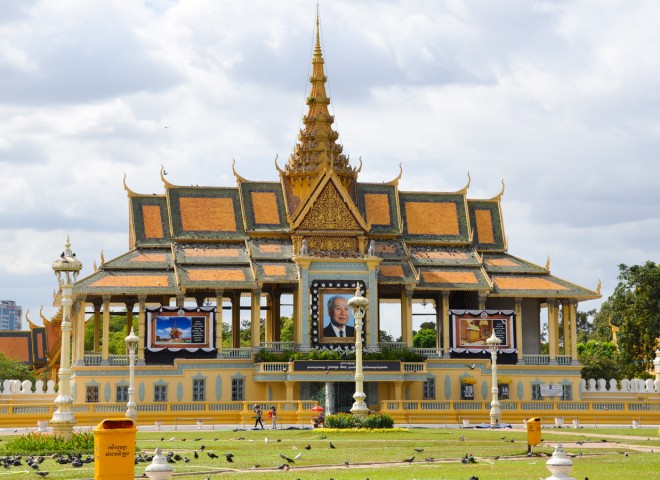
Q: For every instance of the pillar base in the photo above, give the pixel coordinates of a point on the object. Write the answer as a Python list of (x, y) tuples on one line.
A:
[(63, 429)]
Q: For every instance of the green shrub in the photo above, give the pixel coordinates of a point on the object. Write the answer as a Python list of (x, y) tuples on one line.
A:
[(346, 420), (36, 443)]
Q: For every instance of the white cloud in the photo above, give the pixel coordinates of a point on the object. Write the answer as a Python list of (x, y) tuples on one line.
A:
[(559, 99)]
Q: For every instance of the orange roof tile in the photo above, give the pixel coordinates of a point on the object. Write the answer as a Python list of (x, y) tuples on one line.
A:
[(264, 205), (532, 283), (270, 248), (132, 281), (153, 223), (426, 218), (484, 226), (385, 248), (377, 208), (215, 275), (207, 214), (15, 348), (449, 277), (275, 270), (442, 255), (150, 257), (392, 271), (214, 252), (501, 262)]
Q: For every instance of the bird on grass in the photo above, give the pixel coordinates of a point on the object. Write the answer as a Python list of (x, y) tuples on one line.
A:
[(308, 447), (409, 460), (473, 478), (228, 456), (461, 438), (419, 450), (212, 455), (429, 459), (42, 473), (346, 463), (332, 446), (298, 456), (195, 454), (284, 467), (289, 460)]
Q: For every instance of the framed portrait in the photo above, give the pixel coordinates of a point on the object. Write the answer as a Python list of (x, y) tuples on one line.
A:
[(332, 319), (178, 328)]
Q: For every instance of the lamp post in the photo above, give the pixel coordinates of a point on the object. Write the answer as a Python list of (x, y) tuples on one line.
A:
[(131, 346), (66, 269), (359, 304), (495, 413)]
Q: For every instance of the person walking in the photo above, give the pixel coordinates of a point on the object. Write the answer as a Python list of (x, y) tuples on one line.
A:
[(257, 412), (273, 415)]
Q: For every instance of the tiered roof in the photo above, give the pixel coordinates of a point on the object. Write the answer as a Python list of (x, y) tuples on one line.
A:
[(193, 239)]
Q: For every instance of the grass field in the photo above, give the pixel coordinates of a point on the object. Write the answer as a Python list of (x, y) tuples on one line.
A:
[(603, 454)]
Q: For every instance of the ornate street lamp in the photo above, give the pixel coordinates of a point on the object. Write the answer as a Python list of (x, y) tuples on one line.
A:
[(495, 413), (66, 268), (131, 347), (359, 304)]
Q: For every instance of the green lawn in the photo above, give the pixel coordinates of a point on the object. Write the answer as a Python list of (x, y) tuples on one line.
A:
[(380, 455)]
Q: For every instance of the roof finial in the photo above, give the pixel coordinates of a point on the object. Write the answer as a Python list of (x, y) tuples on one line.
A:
[(317, 43)]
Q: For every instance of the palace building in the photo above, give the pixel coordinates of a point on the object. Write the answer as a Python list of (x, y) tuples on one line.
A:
[(297, 246)]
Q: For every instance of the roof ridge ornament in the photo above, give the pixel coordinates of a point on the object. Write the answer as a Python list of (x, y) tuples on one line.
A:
[(396, 180), (498, 197), (465, 188), (547, 263), (130, 192), (162, 177), (239, 179)]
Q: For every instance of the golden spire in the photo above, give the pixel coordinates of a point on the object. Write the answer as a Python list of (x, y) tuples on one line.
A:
[(317, 141)]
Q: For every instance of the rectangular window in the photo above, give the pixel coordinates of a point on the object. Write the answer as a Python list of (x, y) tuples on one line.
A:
[(199, 390), (429, 389), (122, 393), (160, 393), (536, 392), (237, 389), (503, 391), (92, 394), (567, 392)]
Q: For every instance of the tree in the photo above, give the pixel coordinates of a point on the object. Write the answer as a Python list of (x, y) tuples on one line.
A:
[(11, 369), (635, 309), (383, 336), (599, 360), (427, 325), (117, 334), (583, 326), (425, 338)]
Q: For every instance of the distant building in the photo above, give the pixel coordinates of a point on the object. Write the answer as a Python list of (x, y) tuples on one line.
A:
[(10, 315)]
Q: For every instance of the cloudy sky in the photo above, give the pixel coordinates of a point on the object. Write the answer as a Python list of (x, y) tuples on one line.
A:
[(558, 98)]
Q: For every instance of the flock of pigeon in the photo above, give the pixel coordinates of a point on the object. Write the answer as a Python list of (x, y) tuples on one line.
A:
[(34, 462)]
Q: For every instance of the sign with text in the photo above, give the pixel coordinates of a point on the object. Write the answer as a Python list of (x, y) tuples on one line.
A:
[(345, 366), (551, 390), (473, 327)]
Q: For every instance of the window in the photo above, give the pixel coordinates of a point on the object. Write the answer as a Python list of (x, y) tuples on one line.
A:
[(429, 389), (536, 392), (567, 392), (160, 393), (92, 394), (199, 390), (503, 391), (237, 389), (122, 393)]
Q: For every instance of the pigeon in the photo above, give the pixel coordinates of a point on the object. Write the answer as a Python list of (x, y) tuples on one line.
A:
[(308, 447), (346, 463), (265, 439), (196, 455), (419, 450), (473, 478), (471, 367), (198, 439), (42, 474), (464, 461), (228, 456), (212, 455), (409, 460), (284, 466), (202, 448), (298, 456), (331, 445), (289, 460), (429, 459)]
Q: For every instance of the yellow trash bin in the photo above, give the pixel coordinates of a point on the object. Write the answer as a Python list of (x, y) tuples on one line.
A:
[(533, 431), (114, 449)]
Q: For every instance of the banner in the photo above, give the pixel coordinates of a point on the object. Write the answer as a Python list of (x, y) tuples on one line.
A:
[(471, 328), (176, 328)]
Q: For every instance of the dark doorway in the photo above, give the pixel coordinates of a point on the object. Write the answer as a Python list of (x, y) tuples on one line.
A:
[(344, 396)]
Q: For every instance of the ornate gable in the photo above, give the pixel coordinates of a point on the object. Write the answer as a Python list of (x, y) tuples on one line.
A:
[(329, 208)]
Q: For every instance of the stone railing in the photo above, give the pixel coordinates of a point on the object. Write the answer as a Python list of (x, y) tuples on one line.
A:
[(636, 385), (16, 387)]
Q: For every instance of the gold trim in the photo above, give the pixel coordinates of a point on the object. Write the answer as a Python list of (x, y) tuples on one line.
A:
[(239, 179), (465, 188), (498, 197), (129, 192), (395, 182)]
